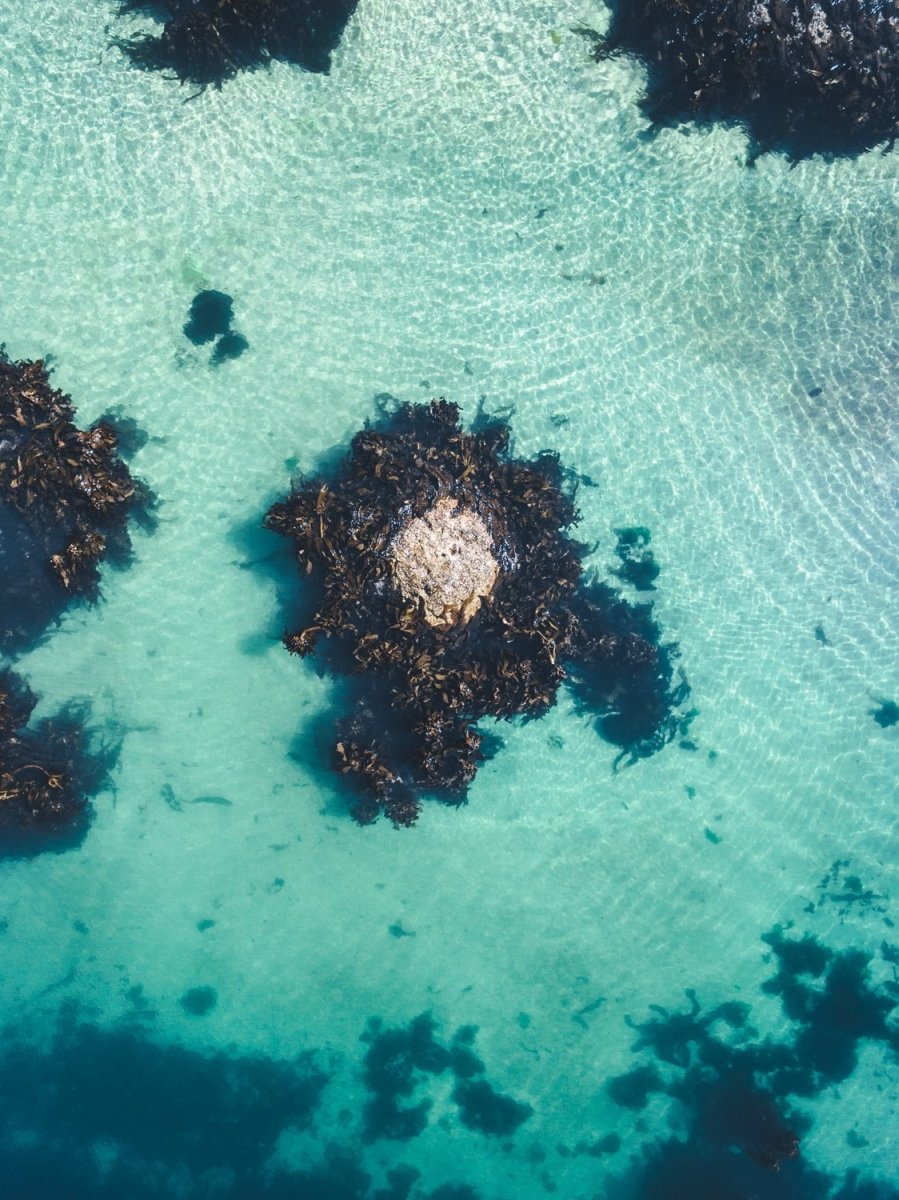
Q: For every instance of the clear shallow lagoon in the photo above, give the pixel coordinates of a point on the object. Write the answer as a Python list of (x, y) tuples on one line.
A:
[(466, 206)]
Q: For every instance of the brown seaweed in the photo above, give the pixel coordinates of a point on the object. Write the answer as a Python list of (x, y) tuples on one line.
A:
[(66, 498), (804, 76), (424, 673), (208, 41), (48, 771)]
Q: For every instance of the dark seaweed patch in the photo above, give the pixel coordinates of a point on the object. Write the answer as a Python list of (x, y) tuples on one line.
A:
[(735, 1093), (66, 499), (48, 771), (211, 313), (199, 1001), (804, 76), (232, 345), (172, 1113), (208, 41), (210, 317), (845, 890), (488, 1111), (638, 564), (420, 679), (886, 714), (396, 1065)]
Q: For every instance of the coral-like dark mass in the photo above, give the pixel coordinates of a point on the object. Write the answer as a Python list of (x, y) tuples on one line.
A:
[(805, 76), (208, 41), (48, 771), (446, 586), (65, 500)]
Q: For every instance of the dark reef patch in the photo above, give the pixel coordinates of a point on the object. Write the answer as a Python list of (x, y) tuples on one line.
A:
[(66, 499), (733, 1093), (443, 585), (208, 41), (48, 771), (803, 76), (397, 1063)]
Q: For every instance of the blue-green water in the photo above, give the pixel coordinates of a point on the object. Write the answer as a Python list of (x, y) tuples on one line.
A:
[(465, 206)]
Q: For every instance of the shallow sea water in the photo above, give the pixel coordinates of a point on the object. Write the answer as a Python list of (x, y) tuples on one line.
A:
[(466, 206)]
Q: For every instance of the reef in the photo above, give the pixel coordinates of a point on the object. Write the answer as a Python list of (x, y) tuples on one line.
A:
[(66, 498), (48, 771), (208, 41), (803, 76), (443, 585)]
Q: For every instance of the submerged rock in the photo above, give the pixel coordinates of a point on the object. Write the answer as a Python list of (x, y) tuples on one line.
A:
[(209, 41), (66, 498), (443, 583), (804, 76)]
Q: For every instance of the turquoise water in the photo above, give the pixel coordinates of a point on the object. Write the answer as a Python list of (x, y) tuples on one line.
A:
[(466, 206)]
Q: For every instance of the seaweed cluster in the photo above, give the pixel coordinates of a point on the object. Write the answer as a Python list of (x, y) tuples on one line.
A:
[(735, 1093), (444, 585), (396, 1063), (805, 76), (47, 771), (209, 41), (66, 498)]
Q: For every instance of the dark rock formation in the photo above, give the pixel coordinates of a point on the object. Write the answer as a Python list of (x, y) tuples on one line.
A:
[(208, 41), (445, 585), (66, 498), (804, 76)]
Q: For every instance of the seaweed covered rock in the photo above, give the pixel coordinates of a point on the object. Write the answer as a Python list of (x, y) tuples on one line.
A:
[(445, 586), (65, 500), (48, 771), (209, 41), (805, 76)]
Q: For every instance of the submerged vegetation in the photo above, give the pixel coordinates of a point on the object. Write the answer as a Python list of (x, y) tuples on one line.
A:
[(66, 498), (735, 1093), (444, 585), (805, 76), (210, 317), (208, 41), (48, 771)]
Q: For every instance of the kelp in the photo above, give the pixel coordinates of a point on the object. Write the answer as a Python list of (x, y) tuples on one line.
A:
[(804, 76), (208, 41), (419, 686), (66, 497), (48, 771)]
